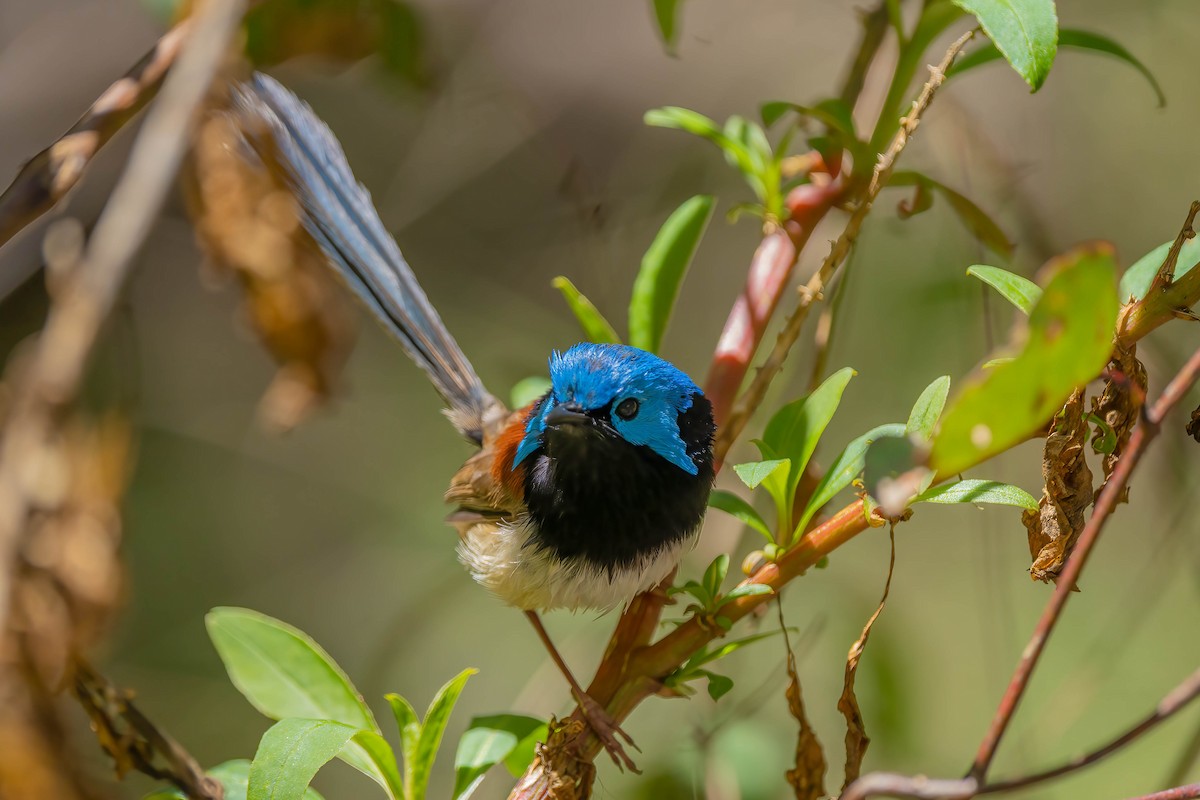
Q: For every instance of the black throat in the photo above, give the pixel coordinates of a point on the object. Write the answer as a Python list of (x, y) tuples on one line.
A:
[(594, 496)]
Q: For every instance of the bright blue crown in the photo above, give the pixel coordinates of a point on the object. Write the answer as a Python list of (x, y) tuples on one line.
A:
[(597, 375)]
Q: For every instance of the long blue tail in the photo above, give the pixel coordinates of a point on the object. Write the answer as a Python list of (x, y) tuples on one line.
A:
[(340, 216)]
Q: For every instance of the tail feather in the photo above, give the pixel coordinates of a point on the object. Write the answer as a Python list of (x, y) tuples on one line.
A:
[(341, 218)]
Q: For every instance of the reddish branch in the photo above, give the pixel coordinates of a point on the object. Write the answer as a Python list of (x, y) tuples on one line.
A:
[(888, 784), (775, 259), (1179, 698), (1189, 792), (769, 276), (1110, 496)]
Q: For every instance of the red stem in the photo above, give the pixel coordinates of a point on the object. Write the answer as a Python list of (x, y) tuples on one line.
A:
[(768, 277), (1189, 792), (1109, 497)]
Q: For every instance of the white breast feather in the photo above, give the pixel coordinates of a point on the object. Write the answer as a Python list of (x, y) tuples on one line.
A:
[(501, 557)]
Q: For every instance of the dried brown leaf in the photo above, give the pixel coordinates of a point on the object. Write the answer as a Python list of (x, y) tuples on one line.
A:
[(1057, 523), (1120, 404), (807, 778), (1193, 426), (857, 740), (249, 224)]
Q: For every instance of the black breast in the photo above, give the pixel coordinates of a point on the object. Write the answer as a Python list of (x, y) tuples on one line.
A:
[(595, 496)]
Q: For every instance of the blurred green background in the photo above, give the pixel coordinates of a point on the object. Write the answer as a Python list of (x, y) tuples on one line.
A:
[(520, 154)]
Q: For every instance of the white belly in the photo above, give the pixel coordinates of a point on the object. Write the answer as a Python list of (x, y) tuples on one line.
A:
[(501, 557)]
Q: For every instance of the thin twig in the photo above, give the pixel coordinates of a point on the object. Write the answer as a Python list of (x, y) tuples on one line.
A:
[(1169, 295), (888, 784), (1175, 701), (1187, 759), (51, 174), (1109, 497), (51, 379), (134, 741), (753, 396), (917, 787), (1189, 792)]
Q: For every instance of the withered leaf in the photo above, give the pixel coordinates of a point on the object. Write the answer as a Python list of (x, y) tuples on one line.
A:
[(249, 224), (857, 740), (807, 778), (1120, 404), (1193, 426), (1059, 519)]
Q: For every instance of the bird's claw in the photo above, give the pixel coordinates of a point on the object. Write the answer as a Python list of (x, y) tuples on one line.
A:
[(609, 733)]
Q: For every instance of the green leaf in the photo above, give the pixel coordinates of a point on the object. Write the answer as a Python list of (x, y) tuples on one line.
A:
[(755, 472), (284, 673), (796, 428), (708, 656), (833, 114), (1068, 343), (409, 726), (1021, 292), (1025, 32), (714, 576), (843, 471), (734, 505), (663, 268), (527, 390), (522, 756), (745, 590), (289, 755), (666, 15), (1136, 280), (738, 151), (718, 685), (977, 491), (486, 742), (1067, 38), (595, 326), (928, 409), (234, 777), (432, 729), (696, 590), (751, 139), (381, 755), (683, 119), (995, 362), (974, 218), (1104, 440)]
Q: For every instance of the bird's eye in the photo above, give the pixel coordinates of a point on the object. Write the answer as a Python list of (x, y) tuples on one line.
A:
[(627, 409)]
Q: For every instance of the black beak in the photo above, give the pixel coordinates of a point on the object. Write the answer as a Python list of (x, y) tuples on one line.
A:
[(567, 414)]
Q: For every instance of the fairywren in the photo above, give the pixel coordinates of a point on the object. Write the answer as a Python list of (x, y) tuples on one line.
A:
[(582, 499)]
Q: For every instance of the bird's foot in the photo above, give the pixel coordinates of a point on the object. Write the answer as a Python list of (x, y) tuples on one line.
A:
[(608, 732)]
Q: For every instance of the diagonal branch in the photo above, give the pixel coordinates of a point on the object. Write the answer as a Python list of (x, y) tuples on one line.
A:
[(1107, 502), (1177, 700), (51, 174), (1189, 792), (56, 370), (894, 785), (133, 741)]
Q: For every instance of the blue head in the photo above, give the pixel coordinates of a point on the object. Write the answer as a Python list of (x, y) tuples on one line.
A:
[(612, 388)]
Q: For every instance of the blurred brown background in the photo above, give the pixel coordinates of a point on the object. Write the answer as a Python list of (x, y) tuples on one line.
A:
[(525, 157)]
